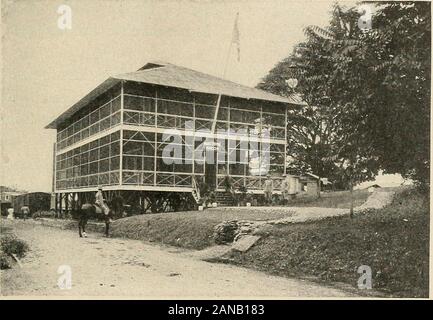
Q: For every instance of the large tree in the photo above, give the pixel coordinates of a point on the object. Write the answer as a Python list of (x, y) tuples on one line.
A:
[(312, 129), (308, 130), (371, 87), (399, 51)]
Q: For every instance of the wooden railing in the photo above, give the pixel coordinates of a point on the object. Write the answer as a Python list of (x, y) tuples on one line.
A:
[(195, 190)]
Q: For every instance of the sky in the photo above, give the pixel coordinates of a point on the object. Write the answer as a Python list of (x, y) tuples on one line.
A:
[(45, 69)]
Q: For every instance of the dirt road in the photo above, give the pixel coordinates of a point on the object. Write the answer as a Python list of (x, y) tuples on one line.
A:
[(116, 267)]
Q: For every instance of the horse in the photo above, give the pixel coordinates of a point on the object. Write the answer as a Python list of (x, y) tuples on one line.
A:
[(89, 210)]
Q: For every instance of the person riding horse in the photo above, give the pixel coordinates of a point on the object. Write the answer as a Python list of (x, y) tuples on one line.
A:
[(100, 202), (91, 210)]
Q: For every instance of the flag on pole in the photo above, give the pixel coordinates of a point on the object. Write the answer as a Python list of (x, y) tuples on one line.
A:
[(236, 39)]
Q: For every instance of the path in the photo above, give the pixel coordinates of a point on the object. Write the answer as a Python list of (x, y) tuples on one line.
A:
[(117, 267), (376, 200)]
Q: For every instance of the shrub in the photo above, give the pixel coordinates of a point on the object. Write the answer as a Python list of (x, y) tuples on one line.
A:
[(44, 214), (225, 232), (5, 261), (12, 245)]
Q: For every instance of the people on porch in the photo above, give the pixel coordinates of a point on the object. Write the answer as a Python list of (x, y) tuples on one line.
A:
[(284, 187), (268, 189)]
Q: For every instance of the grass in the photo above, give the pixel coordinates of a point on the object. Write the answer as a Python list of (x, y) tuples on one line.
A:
[(393, 241), (337, 199), (10, 245), (194, 229), (191, 229)]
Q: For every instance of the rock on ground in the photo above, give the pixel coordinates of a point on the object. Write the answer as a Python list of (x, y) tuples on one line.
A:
[(245, 242)]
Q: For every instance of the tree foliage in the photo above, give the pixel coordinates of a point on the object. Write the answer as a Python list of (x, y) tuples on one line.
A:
[(368, 94)]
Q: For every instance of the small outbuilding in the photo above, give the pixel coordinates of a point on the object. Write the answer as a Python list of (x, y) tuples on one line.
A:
[(309, 183), (7, 196), (36, 201)]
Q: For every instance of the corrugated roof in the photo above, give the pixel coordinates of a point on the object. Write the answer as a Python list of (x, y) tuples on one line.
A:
[(166, 74)]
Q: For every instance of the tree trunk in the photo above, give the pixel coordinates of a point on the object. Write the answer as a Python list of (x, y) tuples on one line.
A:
[(351, 198), (318, 188)]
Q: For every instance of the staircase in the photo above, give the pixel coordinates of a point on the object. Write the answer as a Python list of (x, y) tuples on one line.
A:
[(225, 199), (195, 191)]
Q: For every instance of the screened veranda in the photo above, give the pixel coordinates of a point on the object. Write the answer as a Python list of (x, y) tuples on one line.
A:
[(149, 110)]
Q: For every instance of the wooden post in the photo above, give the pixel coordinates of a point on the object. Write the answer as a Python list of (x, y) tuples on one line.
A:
[(351, 197), (227, 162), (156, 138), (285, 142), (215, 117), (61, 205), (56, 204), (72, 201), (261, 145), (66, 203), (121, 133), (193, 139), (76, 201), (53, 188)]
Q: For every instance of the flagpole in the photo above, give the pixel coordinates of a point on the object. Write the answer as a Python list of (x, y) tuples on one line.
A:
[(231, 45), (235, 31), (227, 59), (215, 119)]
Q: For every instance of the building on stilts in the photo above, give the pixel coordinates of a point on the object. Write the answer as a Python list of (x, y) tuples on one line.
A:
[(152, 137)]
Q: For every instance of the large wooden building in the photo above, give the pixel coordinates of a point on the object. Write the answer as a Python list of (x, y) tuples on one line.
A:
[(118, 135)]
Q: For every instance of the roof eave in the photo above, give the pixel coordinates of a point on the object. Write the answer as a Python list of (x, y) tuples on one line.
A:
[(104, 86), (111, 81), (276, 98)]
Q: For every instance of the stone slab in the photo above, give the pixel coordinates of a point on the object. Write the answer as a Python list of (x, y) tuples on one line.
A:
[(245, 242)]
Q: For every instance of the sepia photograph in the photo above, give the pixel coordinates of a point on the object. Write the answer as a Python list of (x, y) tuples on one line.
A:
[(215, 149)]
